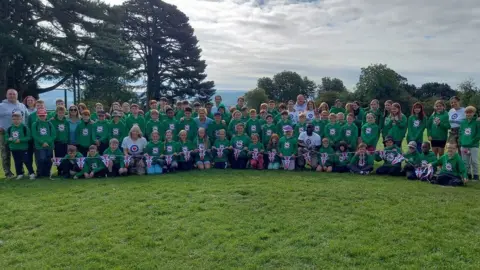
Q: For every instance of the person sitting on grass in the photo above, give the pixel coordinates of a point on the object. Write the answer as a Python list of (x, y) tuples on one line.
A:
[(202, 150), (288, 147), (308, 145), (326, 156), (390, 156), (469, 139), (412, 161), (239, 147), (453, 171), (255, 152), (17, 137), (342, 158), (427, 156), (116, 165), (134, 145), (170, 153), (185, 152), (362, 162), (94, 166), (221, 150), (272, 152), (68, 167)]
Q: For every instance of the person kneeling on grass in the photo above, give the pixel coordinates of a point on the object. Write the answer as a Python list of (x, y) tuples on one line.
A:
[(68, 166), (17, 137), (272, 152), (255, 152), (133, 145), (453, 171), (412, 161), (326, 156), (342, 158), (185, 155), (288, 149), (221, 150), (308, 146), (390, 156), (362, 162), (116, 165), (154, 150), (94, 166), (239, 147)]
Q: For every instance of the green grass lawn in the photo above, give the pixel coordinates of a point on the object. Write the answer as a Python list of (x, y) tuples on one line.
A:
[(238, 219)]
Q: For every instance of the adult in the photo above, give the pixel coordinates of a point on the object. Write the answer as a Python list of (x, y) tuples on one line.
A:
[(202, 120), (134, 145), (455, 116), (301, 105), (218, 103), (8, 107), (73, 121), (29, 102), (309, 144)]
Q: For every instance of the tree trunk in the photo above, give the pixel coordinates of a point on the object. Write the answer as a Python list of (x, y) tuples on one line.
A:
[(3, 76)]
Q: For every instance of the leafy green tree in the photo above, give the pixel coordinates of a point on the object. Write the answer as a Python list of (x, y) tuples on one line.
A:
[(331, 85), (164, 42), (435, 89), (255, 97), (469, 93), (287, 85)]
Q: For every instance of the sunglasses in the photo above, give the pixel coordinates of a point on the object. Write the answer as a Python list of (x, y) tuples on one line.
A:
[(73, 110)]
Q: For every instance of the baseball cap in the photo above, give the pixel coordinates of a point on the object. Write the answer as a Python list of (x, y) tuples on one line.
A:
[(42, 112), (389, 138), (412, 144), (117, 114), (101, 113), (287, 128)]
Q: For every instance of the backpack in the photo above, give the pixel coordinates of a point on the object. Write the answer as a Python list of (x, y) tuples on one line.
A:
[(9, 131)]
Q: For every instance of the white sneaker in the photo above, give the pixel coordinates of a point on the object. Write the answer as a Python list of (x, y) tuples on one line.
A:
[(19, 177), (32, 176)]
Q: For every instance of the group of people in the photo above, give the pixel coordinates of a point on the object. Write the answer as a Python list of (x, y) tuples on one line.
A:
[(297, 135)]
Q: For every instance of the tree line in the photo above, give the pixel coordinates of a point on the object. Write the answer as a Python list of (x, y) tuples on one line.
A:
[(376, 81), (100, 51)]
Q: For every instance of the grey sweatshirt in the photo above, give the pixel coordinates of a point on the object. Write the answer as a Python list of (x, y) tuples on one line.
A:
[(6, 111)]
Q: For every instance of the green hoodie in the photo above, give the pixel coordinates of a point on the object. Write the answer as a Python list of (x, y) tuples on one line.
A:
[(350, 135), (240, 142), (84, 133), (469, 133), (336, 110), (319, 126), (288, 146), (219, 144), (438, 131), (171, 148), (213, 129), (267, 131), (342, 159), (32, 118), (333, 133), (170, 124), (100, 131), (370, 134), (190, 126), (453, 166), (185, 146), (367, 159), (254, 126), (115, 156), (378, 116), (92, 164), (20, 133), (154, 125), (299, 128), (154, 149), (256, 146), (416, 128), (281, 124), (117, 131), (398, 130), (43, 132), (231, 127), (62, 128), (390, 153), (330, 156), (139, 120), (413, 158), (430, 157)]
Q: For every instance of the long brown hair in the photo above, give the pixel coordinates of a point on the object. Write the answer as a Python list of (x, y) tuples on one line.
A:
[(421, 115), (270, 142)]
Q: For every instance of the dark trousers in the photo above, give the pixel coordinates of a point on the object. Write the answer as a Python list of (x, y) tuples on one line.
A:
[(44, 162), (411, 175), (389, 170), (221, 165), (31, 152), (83, 150), (60, 149), (398, 143), (340, 169), (240, 163), (354, 168), (66, 166), (114, 172), (20, 157), (102, 147), (185, 165), (449, 180)]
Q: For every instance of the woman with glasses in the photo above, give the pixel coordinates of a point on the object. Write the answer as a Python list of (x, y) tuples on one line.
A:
[(73, 121)]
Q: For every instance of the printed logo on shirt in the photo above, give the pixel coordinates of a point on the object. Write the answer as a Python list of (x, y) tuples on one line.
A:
[(115, 131), (342, 158), (217, 133), (201, 146), (61, 127), (310, 116), (332, 131), (468, 131), (239, 144), (254, 128), (169, 148), (348, 133), (269, 132), (184, 148), (155, 128), (171, 126), (424, 163), (155, 150), (308, 142), (416, 123), (15, 135), (454, 116), (390, 157), (99, 129), (85, 132), (134, 148), (43, 131), (94, 165), (287, 145), (187, 127), (448, 167), (368, 130), (18, 110), (317, 128), (301, 129)]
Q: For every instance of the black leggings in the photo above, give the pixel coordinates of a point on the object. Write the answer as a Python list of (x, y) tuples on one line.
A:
[(185, 165)]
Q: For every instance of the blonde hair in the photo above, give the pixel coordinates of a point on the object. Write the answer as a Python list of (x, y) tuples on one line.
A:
[(183, 132), (471, 109), (253, 111), (205, 138), (113, 141), (137, 129), (40, 101), (202, 110)]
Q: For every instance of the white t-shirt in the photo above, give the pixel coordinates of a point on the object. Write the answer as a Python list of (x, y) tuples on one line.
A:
[(134, 147), (293, 116), (310, 115), (455, 117), (310, 141)]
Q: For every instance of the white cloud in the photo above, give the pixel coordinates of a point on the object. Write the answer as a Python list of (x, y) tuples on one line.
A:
[(431, 40)]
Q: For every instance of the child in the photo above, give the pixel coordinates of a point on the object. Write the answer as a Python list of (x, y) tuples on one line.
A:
[(391, 157), (117, 128), (272, 152), (301, 125), (427, 156), (412, 161), (318, 124), (153, 123), (154, 149), (284, 121), (148, 116), (362, 162), (292, 114), (17, 137), (386, 113), (135, 119), (100, 132), (68, 166), (332, 131), (62, 127), (272, 110), (255, 152), (437, 128), (232, 126), (326, 156), (288, 149), (416, 125), (170, 123), (240, 103), (215, 127), (469, 140), (254, 125), (220, 150), (202, 150), (281, 107), (94, 166), (349, 132), (268, 130), (188, 124), (84, 133), (396, 124), (126, 110), (375, 111), (341, 119), (44, 135), (310, 111), (185, 149), (338, 107), (245, 115), (453, 171), (116, 165), (239, 147), (370, 133), (32, 118), (180, 112), (169, 153), (342, 158)]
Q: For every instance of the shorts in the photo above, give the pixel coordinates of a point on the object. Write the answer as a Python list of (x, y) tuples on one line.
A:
[(438, 143), (203, 162)]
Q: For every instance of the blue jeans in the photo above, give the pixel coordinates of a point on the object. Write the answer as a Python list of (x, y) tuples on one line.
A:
[(20, 158), (44, 162)]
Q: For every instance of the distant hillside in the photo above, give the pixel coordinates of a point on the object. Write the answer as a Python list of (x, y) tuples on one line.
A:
[(229, 97)]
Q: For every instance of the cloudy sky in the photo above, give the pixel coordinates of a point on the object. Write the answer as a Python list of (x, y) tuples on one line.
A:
[(242, 40)]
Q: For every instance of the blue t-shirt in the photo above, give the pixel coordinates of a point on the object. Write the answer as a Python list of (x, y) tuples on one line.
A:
[(73, 128), (204, 124)]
